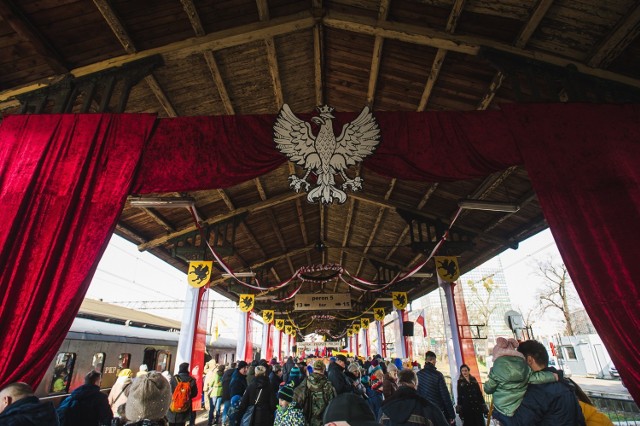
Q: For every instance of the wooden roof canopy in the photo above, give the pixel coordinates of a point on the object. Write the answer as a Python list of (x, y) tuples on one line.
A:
[(251, 56)]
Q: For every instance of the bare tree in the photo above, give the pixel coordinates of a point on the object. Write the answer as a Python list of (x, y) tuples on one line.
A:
[(483, 306), (558, 291)]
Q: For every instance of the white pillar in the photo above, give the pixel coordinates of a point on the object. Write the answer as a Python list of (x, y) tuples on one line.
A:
[(455, 351), (188, 327), (241, 344), (265, 341), (400, 352), (380, 329)]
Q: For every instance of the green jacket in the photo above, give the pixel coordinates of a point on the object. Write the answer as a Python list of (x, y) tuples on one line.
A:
[(215, 386), (508, 380)]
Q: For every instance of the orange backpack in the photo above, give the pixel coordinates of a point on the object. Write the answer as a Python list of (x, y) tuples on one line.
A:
[(181, 398)]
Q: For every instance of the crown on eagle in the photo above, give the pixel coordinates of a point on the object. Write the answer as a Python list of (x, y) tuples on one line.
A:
[(325, 109)]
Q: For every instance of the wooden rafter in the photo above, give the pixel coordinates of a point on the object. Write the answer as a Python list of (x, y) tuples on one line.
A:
[(123, 229), (19, 23), (272, 57), (159, 219), (303, 227), (217, 78), (194, 18), (119, 30), (441, 54), (376, 57), (347, 227), (262, 205), (538, 13), (375, 258), (318, 52), (621, 36), (488, 186)]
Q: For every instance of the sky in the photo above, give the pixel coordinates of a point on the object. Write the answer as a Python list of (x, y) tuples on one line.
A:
[(125, 274)]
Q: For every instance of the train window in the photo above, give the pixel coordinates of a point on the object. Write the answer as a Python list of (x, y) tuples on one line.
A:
[(62, 372), (98, 362), (123, 361), (163, 360), (217, 356), (149, 358)]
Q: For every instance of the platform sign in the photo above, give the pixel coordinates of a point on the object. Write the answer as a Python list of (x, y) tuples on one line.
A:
[(322, 301)]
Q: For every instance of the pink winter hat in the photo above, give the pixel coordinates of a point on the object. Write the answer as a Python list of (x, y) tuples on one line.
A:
[(506, 347)]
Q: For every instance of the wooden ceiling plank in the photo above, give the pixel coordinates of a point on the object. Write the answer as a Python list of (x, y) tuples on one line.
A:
[(303, 227), (488, 186), (528, 198), (159, 219), (260, 189), (347, 227), (115, 24), (225, 198), (192, 13), (375, 258), (376, 57), (19, 23), (217, 78), (263, 10), (538, 13), (254, 208), (459, 43), (272, 61), (625, 32), (317, 63), (123, 229), (441, 54)]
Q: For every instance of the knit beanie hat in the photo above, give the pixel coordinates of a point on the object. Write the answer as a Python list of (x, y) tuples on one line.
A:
[(286, 393), (149, 398), (242, 364), (318, 365), (294, 373), (391, 368), (506, 347), (260, 370), (398, 363)]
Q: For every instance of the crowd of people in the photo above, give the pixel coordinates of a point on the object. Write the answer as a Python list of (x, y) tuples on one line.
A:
[(322, 391)]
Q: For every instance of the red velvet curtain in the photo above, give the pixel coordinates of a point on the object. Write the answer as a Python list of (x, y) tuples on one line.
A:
[(63, 182), (584, 163)]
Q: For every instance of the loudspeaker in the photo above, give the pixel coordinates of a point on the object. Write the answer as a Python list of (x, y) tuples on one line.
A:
[(407, 328), (294, 349)]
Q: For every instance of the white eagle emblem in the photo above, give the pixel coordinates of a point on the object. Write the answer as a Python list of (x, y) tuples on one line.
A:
[(324, 154)]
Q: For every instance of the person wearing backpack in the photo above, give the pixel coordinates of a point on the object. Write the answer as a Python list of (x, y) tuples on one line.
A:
[(314, 394), (183, 390), (86, 406)]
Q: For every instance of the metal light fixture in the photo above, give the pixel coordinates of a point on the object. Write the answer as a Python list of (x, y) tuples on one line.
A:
[(493, 206), (240, 275), (162, 202)]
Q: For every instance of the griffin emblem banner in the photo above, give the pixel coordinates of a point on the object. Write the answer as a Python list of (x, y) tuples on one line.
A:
[(199, 273), (364, 322), (280, 324), (356, 328), (267, 316), (288, 329), (400, 299), (349, 332), (447, 267), (378, 314), (246, 302)]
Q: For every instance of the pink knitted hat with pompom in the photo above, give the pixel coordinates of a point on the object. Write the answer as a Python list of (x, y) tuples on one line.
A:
[(506, 347)]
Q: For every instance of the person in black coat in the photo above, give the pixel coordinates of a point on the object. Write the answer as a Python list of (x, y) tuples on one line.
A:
[(259, 395), (20, 407), (239, 380), (471, 406), (275, 378), (180, 419), (406, 407), (337, 376), (432, 387), (226, 394), (86, 406)]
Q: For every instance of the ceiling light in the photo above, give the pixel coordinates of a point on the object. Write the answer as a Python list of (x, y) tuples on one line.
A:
[(240, 274), (162, 202), (422, 275), (494, 206)]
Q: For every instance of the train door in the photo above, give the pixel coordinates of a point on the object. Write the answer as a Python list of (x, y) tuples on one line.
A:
[(149, 358), (163, 361), (62, 372)]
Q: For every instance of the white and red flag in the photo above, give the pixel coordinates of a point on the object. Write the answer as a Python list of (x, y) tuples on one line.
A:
[(422, 320)]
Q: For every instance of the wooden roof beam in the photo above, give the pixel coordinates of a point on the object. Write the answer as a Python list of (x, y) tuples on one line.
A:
[(253, 208), (219, 81), (621, 36), (375, 258), (347, 227), (191, 11), (441, 54), (303, 227), (527, 31), (272, 57), (159, 219), (128, 45), (318, 52), (376, 57), (19, 23)]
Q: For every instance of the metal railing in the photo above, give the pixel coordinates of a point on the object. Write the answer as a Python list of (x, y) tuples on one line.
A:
[(622, 412)]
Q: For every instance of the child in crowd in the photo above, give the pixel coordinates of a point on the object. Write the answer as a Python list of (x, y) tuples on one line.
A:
[(509, 378), (288, 413)]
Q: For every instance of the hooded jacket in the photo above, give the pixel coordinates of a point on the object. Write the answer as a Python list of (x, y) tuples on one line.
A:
[(238, 383), (226, 382), (118, 394), (28, 411), (338, 379), (263, 411), (91, 408), (406, 407)]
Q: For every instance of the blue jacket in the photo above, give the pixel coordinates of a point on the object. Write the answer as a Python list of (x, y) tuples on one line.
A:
[(238, 384), (92, 407), (549, 404), (431, 386), (29, 411)]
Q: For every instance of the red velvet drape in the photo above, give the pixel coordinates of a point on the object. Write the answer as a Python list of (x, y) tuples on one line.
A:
[(63, 182), (584, 163)]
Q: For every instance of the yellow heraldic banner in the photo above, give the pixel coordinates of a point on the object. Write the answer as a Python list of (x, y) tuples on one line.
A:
[(356, 328), (364, 322), (349, 332), (246, 301), (199, 273), (268, 316), (447, 267), (400, 299), (378, 314), (288, 329), (280, 324)]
